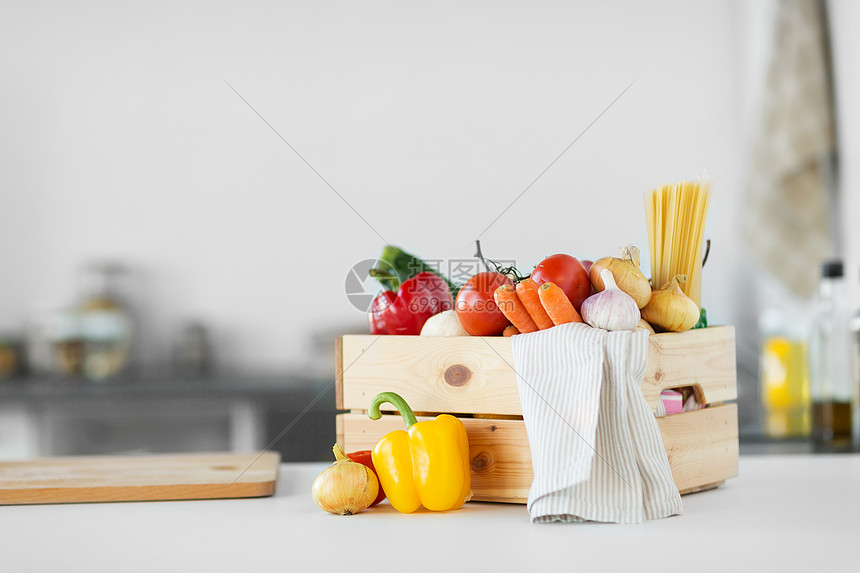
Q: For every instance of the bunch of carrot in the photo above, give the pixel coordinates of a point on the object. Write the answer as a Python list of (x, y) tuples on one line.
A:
[(532, 307)]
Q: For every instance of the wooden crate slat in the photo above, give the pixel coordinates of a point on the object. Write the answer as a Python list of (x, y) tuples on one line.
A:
[(475, 375), (499, 450), (702, 447), (703, 359), (338, 373), (416, 367)]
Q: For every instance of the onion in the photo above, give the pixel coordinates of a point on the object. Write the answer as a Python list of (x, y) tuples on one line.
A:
[(627, 275), (346, 487), (670, 309), (445, 323)]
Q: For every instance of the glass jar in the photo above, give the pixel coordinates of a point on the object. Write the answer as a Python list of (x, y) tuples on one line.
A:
[(105, 323)]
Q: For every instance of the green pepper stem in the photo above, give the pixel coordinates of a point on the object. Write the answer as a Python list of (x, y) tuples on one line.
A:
[(387, 279), (395, 400)]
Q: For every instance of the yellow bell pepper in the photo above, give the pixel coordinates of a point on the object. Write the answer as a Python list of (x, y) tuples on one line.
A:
[(427, 466)]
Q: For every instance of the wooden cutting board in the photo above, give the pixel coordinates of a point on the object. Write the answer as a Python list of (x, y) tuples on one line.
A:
[(138, 478)]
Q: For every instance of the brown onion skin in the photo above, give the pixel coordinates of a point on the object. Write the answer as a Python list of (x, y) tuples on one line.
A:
[(627, 276), (670, 309), (345, 487)]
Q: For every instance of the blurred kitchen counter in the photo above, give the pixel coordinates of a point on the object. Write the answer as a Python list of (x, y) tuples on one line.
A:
[(54, 388), (162, 414), (762, 446), (783, 513)]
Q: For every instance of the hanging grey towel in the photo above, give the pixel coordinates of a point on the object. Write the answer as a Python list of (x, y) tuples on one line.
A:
[(596, 450), (788, 206)]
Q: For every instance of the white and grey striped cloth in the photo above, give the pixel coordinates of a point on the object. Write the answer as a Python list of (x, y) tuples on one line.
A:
[(596, 449)]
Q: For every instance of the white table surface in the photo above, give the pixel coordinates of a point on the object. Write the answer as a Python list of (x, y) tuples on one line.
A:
[(784, 513)]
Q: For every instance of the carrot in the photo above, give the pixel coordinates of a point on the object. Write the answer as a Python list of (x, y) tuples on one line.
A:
[(527, 291), (510, 305), (557, 305), (510, 331)]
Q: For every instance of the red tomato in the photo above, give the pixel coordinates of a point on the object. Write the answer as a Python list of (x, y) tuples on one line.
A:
[(363, 457), (477, 309), (568, 273)]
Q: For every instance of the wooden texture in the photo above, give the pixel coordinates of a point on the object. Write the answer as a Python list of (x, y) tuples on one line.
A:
[(498, 450), (138, 478), (699, 488), (703, 359), (702, 447), (474, 377), (338, 373), (416, 367)]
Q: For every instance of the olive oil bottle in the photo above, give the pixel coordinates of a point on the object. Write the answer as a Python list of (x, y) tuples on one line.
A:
[(830, 363)]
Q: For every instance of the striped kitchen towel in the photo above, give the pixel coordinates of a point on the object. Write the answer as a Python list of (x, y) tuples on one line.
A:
[(596, 450)]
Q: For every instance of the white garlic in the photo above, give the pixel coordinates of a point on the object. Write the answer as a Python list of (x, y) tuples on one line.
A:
[(612, 308)]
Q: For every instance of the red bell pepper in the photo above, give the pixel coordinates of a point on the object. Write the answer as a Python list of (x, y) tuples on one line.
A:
[(418, 299)]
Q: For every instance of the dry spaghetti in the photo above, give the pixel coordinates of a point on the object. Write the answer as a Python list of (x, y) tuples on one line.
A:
[(676, 216)]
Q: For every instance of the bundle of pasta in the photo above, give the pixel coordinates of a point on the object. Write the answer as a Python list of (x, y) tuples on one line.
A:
[(676, 225)]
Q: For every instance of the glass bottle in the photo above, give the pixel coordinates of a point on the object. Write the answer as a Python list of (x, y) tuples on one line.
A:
[(830, 363)]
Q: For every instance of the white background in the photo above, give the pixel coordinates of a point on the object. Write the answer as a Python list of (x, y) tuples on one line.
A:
[(121, 139)]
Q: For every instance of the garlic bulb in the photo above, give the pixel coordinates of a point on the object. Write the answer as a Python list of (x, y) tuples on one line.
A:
[(612, 308), (670, 309), (345, 487), (626, 273)]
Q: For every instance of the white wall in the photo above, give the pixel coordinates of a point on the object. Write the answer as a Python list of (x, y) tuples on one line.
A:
[(120, 139)]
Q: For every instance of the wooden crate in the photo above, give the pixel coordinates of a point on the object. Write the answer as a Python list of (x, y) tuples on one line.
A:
[(473, 378)]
